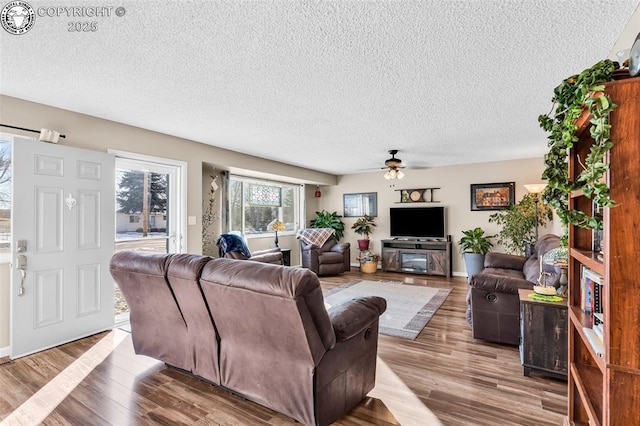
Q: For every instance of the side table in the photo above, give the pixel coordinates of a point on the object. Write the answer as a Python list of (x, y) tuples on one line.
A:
[(286, 256), (543, 336)]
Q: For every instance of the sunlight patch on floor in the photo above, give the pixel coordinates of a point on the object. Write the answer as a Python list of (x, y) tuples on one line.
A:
[(42, 403), (405, 406)]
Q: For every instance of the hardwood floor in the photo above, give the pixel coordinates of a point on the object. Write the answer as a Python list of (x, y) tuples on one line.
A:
[(443, 377)]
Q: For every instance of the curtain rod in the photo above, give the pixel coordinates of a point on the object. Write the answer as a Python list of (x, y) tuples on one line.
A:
[(25, 129)]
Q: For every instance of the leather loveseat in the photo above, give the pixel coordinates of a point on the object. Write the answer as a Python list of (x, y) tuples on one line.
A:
[(257, 329), (493, 305)]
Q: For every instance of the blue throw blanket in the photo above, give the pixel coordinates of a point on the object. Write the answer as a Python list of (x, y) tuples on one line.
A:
[(231, 242)]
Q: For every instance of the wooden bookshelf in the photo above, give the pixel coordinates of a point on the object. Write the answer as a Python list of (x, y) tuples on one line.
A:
[(604, 389)]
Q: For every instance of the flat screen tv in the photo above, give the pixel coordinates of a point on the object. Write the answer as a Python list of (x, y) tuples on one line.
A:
[(417, 222)]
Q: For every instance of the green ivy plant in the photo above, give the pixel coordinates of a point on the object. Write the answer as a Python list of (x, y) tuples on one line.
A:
[(569, 99)]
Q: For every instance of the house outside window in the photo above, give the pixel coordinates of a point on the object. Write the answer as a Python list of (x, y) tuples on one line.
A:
[(253, 204)]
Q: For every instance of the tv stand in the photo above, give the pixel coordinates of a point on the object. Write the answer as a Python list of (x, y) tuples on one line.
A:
[(417, 256)]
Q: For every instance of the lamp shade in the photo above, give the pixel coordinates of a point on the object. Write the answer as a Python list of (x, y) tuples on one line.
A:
[(275, 225), (535, 188), (393, 173), (558, 256)]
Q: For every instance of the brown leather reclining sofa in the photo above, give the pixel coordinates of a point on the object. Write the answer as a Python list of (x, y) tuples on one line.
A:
[(259, 330), (493, 305)]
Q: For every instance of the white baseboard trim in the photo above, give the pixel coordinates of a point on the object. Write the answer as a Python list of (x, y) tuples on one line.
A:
[(5, 351)]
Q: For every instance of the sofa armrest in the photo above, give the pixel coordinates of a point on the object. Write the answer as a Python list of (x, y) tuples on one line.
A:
[(504, 261), (265, 251), (353, 316), (341, 247), (272, 257), (310, 247), (499, 283)]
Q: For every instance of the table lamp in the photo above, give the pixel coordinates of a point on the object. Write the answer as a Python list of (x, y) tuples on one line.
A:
[(559, 259), (276, 225)]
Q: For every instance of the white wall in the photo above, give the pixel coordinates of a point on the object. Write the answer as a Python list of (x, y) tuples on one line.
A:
[(454, 194), (628, 35), (85, 131), (93, 133)]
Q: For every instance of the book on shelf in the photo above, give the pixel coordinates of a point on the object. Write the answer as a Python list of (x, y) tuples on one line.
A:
[(594, 340), (597, 235), (598, 318), (599, 330), (590, 291)]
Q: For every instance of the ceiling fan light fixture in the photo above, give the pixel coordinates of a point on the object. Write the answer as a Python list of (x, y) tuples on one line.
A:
[(393, 165)]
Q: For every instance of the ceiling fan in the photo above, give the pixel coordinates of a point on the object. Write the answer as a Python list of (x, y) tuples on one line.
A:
[(393, 166)]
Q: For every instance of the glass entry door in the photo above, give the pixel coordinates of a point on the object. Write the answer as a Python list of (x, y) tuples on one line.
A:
[(149, 211)]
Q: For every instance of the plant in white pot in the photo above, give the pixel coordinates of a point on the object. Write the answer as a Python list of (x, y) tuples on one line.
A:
[(474, 245), (364, 226)]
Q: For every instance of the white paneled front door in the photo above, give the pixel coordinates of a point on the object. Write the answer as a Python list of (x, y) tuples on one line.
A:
[(63, 239)]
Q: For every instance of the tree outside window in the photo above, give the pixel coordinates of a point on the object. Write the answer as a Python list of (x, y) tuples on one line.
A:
[(142, 193)]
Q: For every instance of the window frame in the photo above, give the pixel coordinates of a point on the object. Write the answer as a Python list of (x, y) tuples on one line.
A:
[(246, 181)]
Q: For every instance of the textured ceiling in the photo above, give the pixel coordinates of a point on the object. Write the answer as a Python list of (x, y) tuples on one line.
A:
[(330, 86)]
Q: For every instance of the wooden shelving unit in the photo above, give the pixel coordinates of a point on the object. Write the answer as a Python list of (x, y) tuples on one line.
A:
[(604, 389)]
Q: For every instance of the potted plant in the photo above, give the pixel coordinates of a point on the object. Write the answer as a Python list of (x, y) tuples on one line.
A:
[(574, 95), (363, 226), (324, 219), (474, 245), (519, 224), (368, 261)]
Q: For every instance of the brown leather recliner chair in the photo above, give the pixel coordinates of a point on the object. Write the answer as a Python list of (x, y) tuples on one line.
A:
[(493, 305), (331, 259)]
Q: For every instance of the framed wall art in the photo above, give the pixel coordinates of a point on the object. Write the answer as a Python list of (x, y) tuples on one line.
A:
[(492, 196), (356, 205)]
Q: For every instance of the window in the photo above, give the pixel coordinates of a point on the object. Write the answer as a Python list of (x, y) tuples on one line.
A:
[(253, 204), (147, 189), (5, 198)]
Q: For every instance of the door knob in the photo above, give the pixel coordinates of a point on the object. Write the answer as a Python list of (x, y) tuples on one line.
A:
[(21, 261)]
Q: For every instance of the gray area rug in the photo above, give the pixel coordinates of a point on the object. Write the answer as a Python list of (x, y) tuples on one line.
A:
[(409, 307)]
